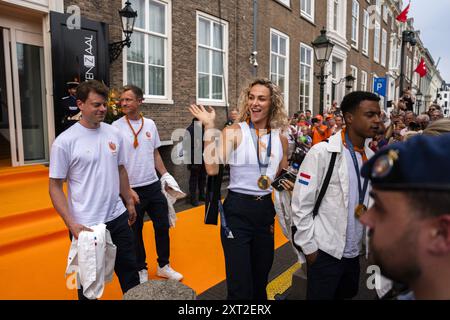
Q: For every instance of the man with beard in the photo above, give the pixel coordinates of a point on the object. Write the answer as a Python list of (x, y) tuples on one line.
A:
[(332, 240), (409, 223)]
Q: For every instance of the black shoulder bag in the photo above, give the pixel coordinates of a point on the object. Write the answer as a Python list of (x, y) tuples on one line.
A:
[(213, 197), (322, 192)]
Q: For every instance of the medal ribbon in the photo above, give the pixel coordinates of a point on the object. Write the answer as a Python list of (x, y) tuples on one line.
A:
[(255, 137), (362, 192), (136, 143)]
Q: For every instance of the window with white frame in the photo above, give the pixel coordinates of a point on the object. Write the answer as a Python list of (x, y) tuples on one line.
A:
[(212, 56), (378, 6), (365, 40), (307, 9), (408, 66), (385, 13), (338, 14), (373, 82), (148, 59), (393, 52), (354, 71), (279, 61), (335, 15), (376, 43), (306, 77), (363, 81), (383, 47), (355, 23)]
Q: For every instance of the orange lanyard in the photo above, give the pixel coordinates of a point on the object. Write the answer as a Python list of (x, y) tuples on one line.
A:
[(360, 150), (136, 143)]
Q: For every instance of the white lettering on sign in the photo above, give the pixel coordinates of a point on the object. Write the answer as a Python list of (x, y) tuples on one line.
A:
[(89, 58)]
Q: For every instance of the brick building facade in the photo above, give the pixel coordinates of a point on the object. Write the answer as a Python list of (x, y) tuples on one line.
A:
[(185, 52)]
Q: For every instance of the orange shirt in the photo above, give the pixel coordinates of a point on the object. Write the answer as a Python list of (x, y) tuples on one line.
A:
[(317, 137)]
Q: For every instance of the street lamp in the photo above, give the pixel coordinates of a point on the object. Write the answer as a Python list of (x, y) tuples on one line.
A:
[(419, 96), (128, 17), (322, 50), (349, 81), (408, 36)]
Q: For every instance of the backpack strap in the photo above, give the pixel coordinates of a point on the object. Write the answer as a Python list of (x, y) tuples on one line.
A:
[(325, 184)]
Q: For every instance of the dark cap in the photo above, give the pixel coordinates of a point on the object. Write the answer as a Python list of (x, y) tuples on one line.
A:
[(420, 163), (72, 84)]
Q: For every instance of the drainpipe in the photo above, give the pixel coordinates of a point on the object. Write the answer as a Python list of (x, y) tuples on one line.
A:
[(255, 28)]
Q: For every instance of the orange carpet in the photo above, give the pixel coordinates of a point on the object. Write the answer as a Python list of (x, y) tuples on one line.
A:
[(34, 244)]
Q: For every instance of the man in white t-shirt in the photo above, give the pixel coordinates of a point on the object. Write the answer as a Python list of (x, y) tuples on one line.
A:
[(141, 142), (89, 156)]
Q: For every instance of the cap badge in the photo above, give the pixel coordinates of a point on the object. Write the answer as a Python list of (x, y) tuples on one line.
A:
[(384, 164)]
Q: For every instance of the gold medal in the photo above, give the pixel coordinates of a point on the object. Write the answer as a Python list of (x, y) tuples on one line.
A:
[(264, 182), (360, 209)]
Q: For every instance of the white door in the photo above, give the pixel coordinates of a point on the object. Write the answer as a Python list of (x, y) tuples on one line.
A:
[(25, 95)]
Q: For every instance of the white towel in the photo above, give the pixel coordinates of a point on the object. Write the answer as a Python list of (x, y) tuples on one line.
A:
[(172, 192)]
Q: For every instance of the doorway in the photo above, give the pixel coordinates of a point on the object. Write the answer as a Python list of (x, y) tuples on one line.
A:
[(23, 124), (5, 145)]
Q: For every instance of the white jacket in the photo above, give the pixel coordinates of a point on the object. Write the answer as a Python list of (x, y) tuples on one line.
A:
[(327, 231), (93, 257)]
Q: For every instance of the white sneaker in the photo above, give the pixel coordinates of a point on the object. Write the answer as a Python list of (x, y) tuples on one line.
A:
[(169, 273), (143, 276)]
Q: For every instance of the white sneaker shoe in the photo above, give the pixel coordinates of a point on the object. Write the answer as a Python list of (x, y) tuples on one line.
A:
[(169, 273), (143, 276)]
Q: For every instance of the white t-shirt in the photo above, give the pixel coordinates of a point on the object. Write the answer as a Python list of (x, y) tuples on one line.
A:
[(140, 161), (355, 229), (88, 159)]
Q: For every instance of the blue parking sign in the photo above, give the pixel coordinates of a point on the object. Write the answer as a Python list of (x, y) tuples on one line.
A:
[(379, 86)]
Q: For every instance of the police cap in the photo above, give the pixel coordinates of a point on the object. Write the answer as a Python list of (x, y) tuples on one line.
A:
[(420, 163), (72, 84)]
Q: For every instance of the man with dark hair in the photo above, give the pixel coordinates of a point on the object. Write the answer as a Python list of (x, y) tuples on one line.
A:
[(196, 166), (141, 142), (332, 241), (409, 223), (234, 115), (90, 157), (308, 116)]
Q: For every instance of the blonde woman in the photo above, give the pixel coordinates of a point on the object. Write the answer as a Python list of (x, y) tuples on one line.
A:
[(256, 151)]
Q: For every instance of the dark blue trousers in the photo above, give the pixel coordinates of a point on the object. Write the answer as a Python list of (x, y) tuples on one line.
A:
[(154, 203), (332, 279), (249, 254), (125, 266)]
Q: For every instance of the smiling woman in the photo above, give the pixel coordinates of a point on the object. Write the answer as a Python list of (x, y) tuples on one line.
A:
[(256, 150)]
